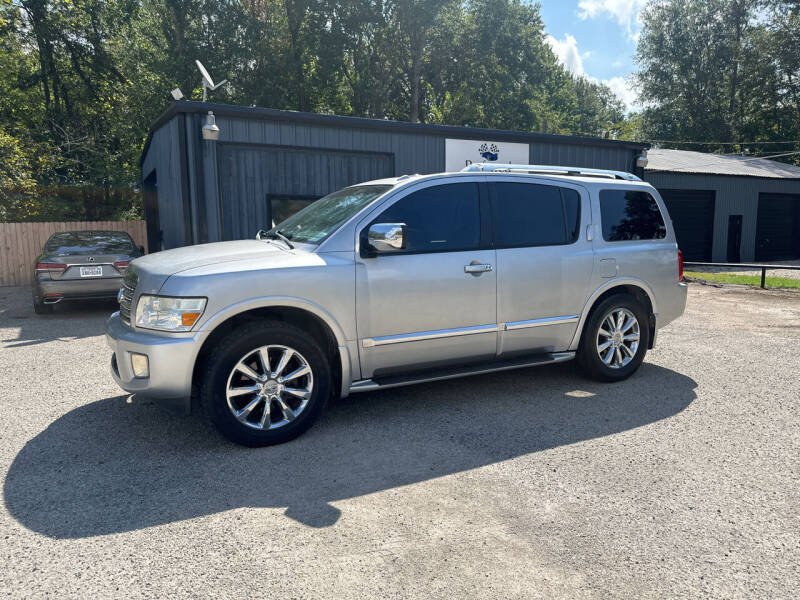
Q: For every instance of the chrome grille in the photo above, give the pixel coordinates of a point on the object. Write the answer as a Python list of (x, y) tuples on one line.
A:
[(126, 300)]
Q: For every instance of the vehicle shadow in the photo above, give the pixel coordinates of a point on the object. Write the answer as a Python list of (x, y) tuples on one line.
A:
[(114, 466), (69, 321)]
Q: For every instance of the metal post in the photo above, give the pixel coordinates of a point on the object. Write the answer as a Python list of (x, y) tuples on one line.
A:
[(763, 278)]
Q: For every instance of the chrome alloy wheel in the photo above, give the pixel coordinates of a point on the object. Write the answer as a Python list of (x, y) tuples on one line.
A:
[(618, 338), (269, 387)]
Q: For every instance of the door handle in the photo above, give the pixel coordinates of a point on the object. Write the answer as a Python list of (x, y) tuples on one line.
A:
[(477, 268)]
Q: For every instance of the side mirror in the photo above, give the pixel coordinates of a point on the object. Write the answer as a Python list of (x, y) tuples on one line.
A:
[(385, 238)]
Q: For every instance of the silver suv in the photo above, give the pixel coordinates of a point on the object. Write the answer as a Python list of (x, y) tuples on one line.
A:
[(400, 281)]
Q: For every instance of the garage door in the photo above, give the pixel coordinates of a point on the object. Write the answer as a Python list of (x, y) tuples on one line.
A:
[(778, 227), (692, 213), (251, 178)]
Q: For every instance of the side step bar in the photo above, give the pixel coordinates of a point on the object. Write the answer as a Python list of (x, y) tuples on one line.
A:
[(368, 385)]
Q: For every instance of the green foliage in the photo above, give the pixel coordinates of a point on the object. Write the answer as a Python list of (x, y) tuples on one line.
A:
[(738, 278), (719, 71), (80, 82)]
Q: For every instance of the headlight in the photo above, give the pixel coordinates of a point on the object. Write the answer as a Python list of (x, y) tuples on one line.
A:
[(168, 314)]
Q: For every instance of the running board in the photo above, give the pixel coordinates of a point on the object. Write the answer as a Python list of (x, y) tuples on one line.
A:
[(368, 385)]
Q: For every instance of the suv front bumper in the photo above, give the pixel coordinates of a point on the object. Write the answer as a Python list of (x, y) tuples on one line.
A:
[(170, 359)]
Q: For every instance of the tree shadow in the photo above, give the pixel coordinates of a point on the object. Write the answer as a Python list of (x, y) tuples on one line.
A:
[(69, 321), (120, 465)]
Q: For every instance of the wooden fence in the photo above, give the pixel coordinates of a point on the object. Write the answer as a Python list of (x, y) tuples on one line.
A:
[(21, 243)]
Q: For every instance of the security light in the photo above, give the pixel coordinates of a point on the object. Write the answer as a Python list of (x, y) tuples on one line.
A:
[(177, 94), (210, 129)]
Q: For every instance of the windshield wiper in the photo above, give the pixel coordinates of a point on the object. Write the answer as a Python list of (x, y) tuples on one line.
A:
[(275, 235)]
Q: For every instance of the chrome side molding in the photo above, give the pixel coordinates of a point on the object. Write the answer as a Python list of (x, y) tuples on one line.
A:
[(426, 335), (540, 322)]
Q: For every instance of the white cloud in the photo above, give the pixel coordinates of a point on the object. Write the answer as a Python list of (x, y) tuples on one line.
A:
[(567, 52), (626, 12), (622, 88), (568, 55)]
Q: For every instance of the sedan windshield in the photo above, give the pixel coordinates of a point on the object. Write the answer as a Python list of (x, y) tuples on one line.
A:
[(89, 242), (321, 218)]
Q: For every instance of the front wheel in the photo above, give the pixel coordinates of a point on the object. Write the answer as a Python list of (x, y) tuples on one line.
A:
[(614, 339), (265, 384)]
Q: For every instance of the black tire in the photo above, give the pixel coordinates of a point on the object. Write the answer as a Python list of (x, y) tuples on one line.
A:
[(42, 309), (588, 357), (238, 344)]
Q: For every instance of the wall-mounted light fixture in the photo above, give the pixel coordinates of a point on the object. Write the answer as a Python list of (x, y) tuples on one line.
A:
[(210, 129), (641, 160)]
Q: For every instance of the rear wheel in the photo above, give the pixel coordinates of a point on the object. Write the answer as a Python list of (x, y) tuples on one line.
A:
[(265, 384), (42, 309), (614, 339)]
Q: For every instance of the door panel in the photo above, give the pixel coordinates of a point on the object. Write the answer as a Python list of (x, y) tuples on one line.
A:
[(429, 295), (422, 308), (541, 293), (735, 238), (541, 289)]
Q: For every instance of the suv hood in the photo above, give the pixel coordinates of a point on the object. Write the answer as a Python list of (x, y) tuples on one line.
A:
[(154, 269)]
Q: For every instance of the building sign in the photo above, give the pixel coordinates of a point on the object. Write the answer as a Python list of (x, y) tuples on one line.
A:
[(460, 153)]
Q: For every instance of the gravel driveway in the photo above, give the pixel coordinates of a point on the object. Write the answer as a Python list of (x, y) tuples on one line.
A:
[(683, 481)]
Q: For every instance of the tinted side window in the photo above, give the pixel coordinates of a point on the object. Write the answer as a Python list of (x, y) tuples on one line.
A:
[(630, 215), (572, 208), (526, 214), (439, 218)]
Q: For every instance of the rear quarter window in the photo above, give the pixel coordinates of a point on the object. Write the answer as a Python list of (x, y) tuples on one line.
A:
[(630, 215)]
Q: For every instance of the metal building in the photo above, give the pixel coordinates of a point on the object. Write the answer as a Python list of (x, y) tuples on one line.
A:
[(729, 208), (266, 163)]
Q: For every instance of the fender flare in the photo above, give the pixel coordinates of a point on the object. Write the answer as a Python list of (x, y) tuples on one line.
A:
[(289, 302), (612, 283)]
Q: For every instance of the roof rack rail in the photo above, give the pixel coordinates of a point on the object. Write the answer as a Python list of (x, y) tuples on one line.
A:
[(553, 170)]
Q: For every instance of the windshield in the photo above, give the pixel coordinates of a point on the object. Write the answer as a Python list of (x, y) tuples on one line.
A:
[(89, 242), (318, 220)]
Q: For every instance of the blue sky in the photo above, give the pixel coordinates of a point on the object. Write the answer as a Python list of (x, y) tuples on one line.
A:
[(596, 38)]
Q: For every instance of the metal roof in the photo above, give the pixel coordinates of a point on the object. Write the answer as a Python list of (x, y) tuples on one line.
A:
[(451, 131), (685, 161)]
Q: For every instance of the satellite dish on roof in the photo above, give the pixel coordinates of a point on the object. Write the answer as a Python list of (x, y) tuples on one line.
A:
[(208, 83)]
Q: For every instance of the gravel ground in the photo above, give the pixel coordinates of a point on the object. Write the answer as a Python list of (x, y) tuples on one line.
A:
[(680, 482)]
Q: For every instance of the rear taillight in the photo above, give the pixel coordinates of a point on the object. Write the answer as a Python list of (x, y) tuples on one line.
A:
[(122, 264), (680, 265), (50, 267)]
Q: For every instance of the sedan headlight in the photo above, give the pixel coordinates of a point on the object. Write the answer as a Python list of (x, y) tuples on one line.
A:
[(168, 314)]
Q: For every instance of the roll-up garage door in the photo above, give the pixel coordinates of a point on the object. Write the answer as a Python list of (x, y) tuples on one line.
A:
[(778, 227), (251, 176), (692, 213)]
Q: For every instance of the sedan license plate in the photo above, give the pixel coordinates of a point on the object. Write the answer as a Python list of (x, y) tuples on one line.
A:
[(91, 271)]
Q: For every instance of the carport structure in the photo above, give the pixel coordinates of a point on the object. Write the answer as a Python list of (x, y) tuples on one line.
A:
[(729, 208)]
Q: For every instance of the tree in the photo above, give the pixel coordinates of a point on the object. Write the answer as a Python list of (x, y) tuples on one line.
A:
[(80, 82), (723, 72)]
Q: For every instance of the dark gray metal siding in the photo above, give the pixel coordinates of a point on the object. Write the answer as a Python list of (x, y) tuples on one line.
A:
[(163, 156), (576, 155), (208, 186), (249, 174), (734, 196), (413, 153)]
